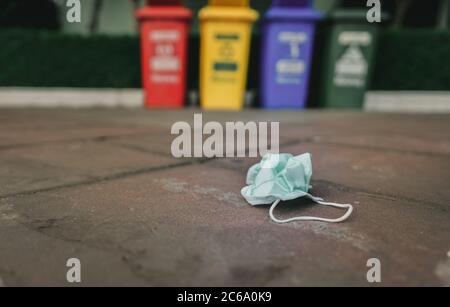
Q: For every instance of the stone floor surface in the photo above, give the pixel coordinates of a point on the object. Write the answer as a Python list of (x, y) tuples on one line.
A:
[(103, 187)]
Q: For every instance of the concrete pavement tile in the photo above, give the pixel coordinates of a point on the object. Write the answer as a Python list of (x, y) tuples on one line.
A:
[(23, 137), (159, 224), (189, 226), (432, 126), (417, 177), (160, 142), (49, 165), (155, 141), (369, 131), (166, 118), (19, 174), (25, 128), (29, 257)]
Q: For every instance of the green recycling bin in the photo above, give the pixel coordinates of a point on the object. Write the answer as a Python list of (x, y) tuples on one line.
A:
[(347, 62)]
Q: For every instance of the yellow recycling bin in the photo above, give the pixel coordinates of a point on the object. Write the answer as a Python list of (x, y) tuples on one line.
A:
[(226, 29)]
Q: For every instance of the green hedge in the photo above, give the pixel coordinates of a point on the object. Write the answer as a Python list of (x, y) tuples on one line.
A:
[(54, 59), (406, 60), (413, 60)]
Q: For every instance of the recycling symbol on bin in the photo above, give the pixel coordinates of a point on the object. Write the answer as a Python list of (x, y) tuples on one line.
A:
[(226, 50), (352, 62)]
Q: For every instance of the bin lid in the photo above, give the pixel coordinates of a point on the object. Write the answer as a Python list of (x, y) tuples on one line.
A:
[(229, 2), (353, 14), (293, 10), (228, 14), (349, 14), (164, 2), (307, 14), (293, 3), (163, 12)]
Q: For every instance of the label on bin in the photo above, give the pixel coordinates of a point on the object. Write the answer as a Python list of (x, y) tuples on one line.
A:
[(355, 37), (226, 61), (352, 67), (295, 67), (165, 59), (291, 67)]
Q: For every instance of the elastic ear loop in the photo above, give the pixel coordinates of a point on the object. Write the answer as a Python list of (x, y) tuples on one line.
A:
[(312, 218)]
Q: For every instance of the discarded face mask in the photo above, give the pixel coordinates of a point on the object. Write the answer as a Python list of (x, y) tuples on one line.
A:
[(282, 177)]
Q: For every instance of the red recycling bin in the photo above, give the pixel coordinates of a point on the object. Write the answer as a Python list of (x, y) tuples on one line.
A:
[(164, 27)]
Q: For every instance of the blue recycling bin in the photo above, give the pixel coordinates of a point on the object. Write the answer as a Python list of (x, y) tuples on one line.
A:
[(288, 39)]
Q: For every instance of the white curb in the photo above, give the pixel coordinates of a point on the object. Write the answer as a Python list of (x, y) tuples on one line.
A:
[(17, 97), (407, 102)]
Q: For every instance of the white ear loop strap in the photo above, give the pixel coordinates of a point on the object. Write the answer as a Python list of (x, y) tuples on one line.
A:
[(312, 218)]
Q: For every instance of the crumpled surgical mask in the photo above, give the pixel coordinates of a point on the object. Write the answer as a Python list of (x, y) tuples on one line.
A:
[(282, 177)]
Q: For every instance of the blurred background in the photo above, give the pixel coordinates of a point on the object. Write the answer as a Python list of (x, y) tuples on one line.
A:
[(41, 49)]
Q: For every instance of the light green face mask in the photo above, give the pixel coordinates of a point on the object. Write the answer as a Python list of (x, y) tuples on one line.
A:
[(282, 177)]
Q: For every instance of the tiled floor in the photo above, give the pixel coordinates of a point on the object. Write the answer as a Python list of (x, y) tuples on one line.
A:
[(102, 186)]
